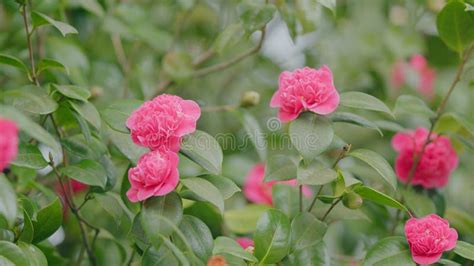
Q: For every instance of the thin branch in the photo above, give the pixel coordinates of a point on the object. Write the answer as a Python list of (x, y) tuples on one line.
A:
[(30, 46), (330, 209), (300, 188), (122, 59), (220, 108)]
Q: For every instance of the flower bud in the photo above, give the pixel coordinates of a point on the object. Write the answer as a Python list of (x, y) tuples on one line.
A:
[(352, 200), (249, 99)]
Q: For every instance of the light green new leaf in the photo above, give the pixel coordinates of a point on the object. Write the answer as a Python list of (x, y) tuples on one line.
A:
[(14, 62), (371, 194), (40, 19), (46, 63), (88, 172), (33, 254), (377, 162), (360, 100), (13, 254)]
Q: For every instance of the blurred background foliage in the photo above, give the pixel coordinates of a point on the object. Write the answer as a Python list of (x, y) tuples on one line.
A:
[(138, 49)]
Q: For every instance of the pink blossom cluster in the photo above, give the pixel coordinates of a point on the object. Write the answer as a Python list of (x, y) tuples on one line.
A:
[(425, 75), (8, 142), (159, 125)]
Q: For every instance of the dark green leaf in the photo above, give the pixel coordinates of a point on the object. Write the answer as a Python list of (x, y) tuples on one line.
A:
[(455, 26), (255, 133), (29, 156), (389, 251), (204, 150), (162, 256), (316, 255), (14, 62), (371, 194), (32, 99), (465, 250), (355, 119), (8, 204), (225, 245), (40, 19), (306, 231), (48, 220), (377, 162), (46, 63), (33, 254), (88, 172), (13, 253), (226, 186), (362, 100), (205, 190), (88, 111), (272, 238), (311, 135), (197, 235), (117, 114), (73, 92), (280, 167), (315, 173), (244, 220), (86, 131)]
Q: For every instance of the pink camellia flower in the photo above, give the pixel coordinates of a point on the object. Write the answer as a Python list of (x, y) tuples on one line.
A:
[(8, 142), (163, 121), (305, 89), (429, 237), (258, 191), (244, 242), (156, 174), (425, 75), (437, 163)]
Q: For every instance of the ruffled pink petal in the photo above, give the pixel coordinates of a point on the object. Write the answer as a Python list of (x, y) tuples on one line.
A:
[(275, 101), (132, 195), (402, 141), (287, 117), (453, 239), (426, 259), (329, 106)]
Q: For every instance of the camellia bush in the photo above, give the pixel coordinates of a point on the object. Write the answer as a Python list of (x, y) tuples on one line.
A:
[(200, 132)]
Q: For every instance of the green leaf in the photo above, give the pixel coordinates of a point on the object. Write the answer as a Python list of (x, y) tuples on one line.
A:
[(116, 114), (272, 238), (14, 62), (161, 215), (204, 150), (29, 156), (231, 35), (354, 119), (315, 173), (448, 262), (40, 19), (316, 255), (183, 260), (462, 221), (389, 125), (389, 251), (46, 63), (286, 199), (178, 65), (88, 172), (455, 26), (48, 220), (86, 131), (371, 194), (162, 256), (88, 111), (360, 100), (32, 99), (92, 6), (255, 15), (411, 105), (13, 253), (306, 231), (452, 122), (27, 234), (73, 92), (126, 146), (205, 190), (311, 135), (377, 162), (33, 254), (244, 220), (8, 204), (113, 205), (78, 146), (420, 204), (465, 250), (255, 133), (226, 186), (280, 167), (197, 235), (226, 245)]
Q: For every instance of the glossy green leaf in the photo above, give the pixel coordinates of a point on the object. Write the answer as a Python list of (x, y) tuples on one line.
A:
[(377, 162), (280, 167), (420, 204), (8, 204), (306, 231), (389, 251), (226, 186), (272, 237), (411, 105), (88, 111), (162, 256), (29, 156), (46, 63), (111, 203), (125, 144), (48, 220), (205, 190), (204, 150), (88, 172), (371, 194), (286, 199), (315, 173), (33, 254), (448, 262), (465, 250), (455, 26), (116, 114), (13, 253), (360, 100), (32, 99), (244, 220), (311, 135), (255, 133), (316, 255), (197, 235), (354, 119), (40, 19), (85, 129), (73, 92), (226, 245), (27, 234), (14, 62), (389, 125)]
